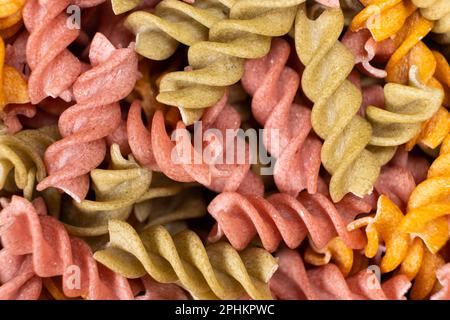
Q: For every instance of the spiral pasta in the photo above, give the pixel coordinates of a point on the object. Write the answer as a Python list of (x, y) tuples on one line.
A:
[(219, 62), (22, 165), (336, 103), (439, 12), (124, 188), (13, 88), (54, 253), (429, 203), (293, 281), (156, 150), (406, 108), (280, 217), (211, 272), (54, 69), (158, 33), (10, 17), (414, 259), (273, 87), (97, 92)]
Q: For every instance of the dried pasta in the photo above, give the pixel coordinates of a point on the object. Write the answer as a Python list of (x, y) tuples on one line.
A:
[(353, 167), (273, 87), (219, 62), (439, 12), (183, 258), (65, 171), (122, 189), (10, 17), (173, 22)]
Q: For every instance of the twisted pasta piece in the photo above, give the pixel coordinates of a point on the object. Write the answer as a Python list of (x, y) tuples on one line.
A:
[(219, 62), (416, 261), (293, 281), (429, 203), (180, 161), (273, 87), (280, 217), (439, 12), (406, 108), (96, 115), (22, 165), (53, 68), (158, 33), (336, 103), (121, 6), (10, 17), (211, 272), (120, 190), (27, 230)]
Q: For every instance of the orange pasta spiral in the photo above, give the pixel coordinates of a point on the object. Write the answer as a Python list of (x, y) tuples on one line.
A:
[(96, 115)]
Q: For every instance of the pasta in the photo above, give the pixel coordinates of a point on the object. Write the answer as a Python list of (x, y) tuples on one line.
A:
[(96, 103), (336, 101), (219, 62), (124, 188), (415, 260), (155, 151), (407, 107), (439, 12), (121, 6), (183, 258), (280, 217), (22, 165), (54, 71), (39, 248), (292, 281), (10, 17), (429, 203), (273, 87), (173, 22)]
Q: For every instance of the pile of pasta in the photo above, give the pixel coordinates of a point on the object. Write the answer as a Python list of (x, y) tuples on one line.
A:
[(102, 101)]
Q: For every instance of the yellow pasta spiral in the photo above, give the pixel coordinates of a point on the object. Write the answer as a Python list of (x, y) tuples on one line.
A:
[(120, 189), (406, 108), (158, 33), (353, 167), (211, 272), (22, 165), (439, 12), (10, 17), (219, 62), (429, 203), (414, 259)]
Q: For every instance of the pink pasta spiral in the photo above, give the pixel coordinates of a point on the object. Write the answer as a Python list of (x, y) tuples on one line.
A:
[(53, 68), (282, 217), (293, 281), (97, 114), (177, 159), (37, 246), (287, 125)]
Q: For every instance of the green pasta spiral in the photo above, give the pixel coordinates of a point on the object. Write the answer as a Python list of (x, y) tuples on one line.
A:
[(211, 272), (219, 62), (352, 166), (126, 186), (406, 108), (22, 165), (158, 33)]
